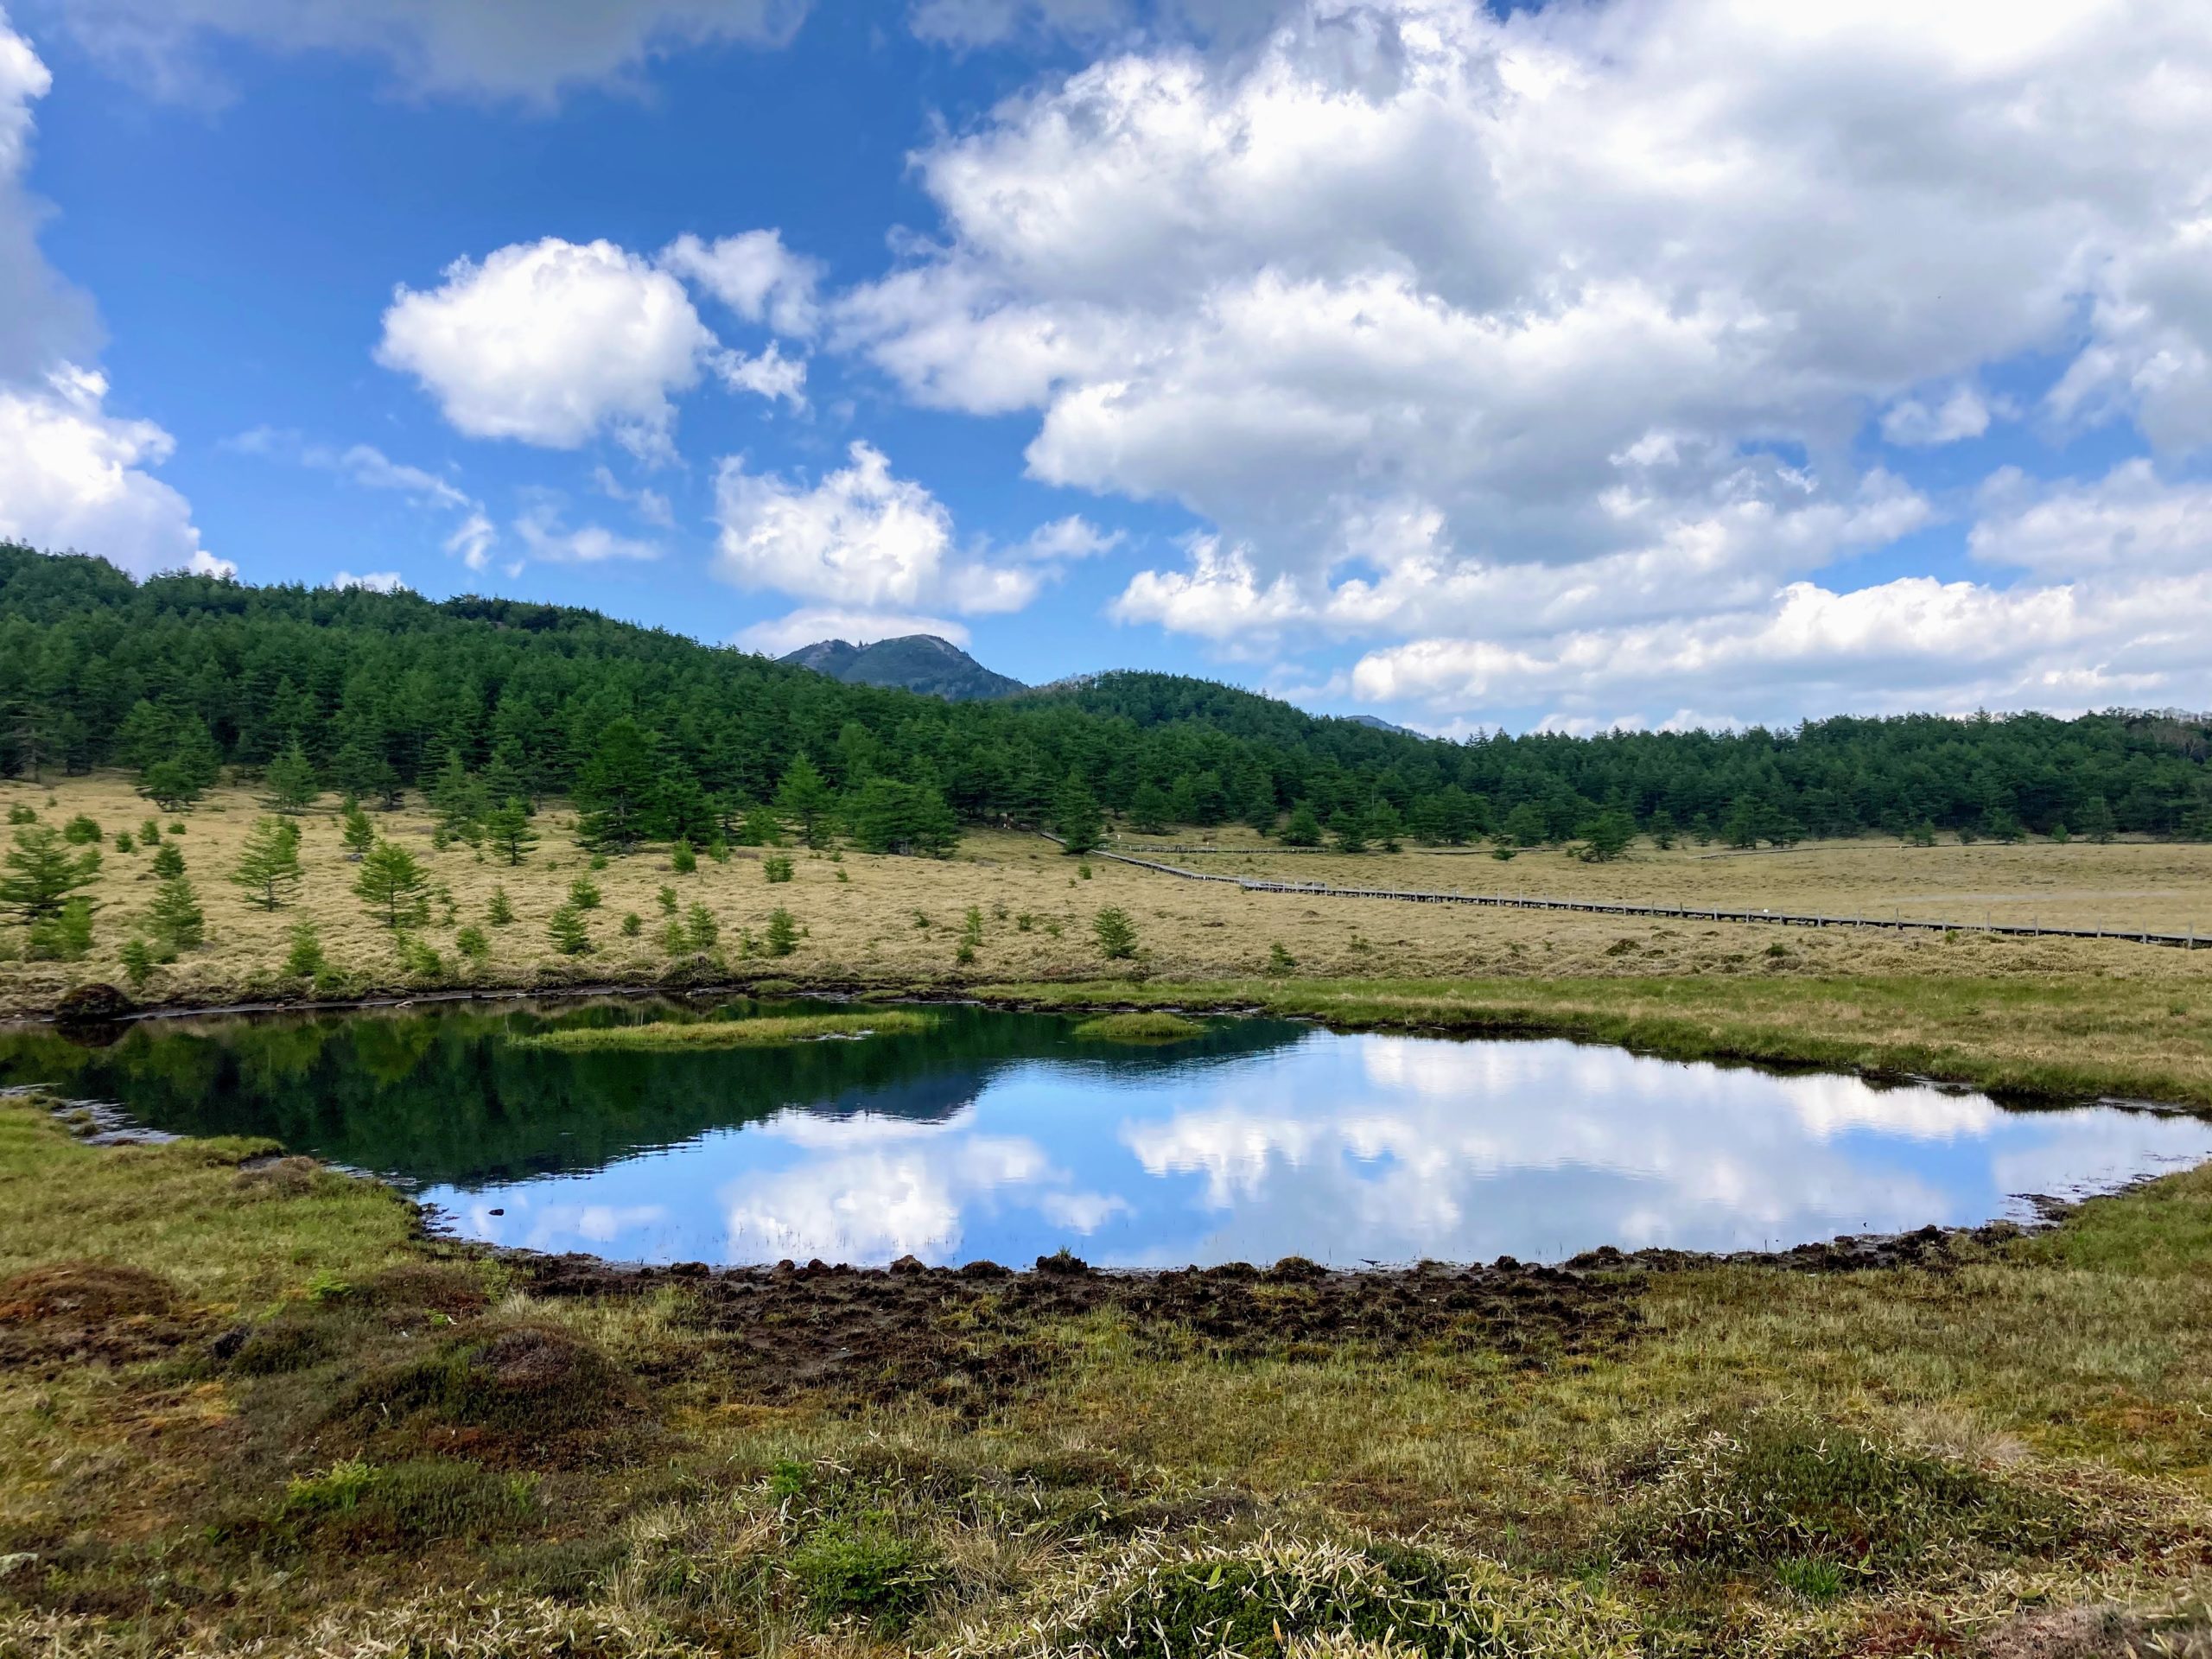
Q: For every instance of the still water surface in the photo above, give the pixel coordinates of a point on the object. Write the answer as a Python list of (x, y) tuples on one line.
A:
[(1002, 1136)]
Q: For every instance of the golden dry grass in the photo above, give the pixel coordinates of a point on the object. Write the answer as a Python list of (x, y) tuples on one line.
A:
[(897, 922)]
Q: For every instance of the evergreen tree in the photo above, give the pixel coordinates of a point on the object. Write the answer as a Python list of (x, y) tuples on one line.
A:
[(1148, 812), (1384, 827), (501, 910), (1525, 826), (268, 867), (1350, 829), (1663, 833), (1116, 934), (760, 828), (2095, 819), (65, 935), (682, 858), (305, 960), (458, 797), (509, 832), (567, 929), (889, 815), (1607, 836), (804, 799), (702, 931), (175, 917), (42, 874), (291, 780), (615, 788), (781, 937), (393, 886), (1076, 817), (168, 861), (359, 834), (1304, 829)]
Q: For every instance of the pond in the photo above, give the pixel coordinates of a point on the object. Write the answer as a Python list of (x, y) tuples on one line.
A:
[(1005, 1136)]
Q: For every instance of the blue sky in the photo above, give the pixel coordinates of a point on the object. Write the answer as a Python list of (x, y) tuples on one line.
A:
[(1665, 363)]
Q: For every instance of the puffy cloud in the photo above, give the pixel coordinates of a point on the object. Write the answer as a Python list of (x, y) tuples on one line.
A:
[(74, 476), (769, 374), (2129, 522), (541, 531), (1916, 424), (376, 582), (752, 274), (1910, 644), (966, 23), (1544, 326), (528, 49), (43, 320), (1071, 537), (860, 538), (71, 474), (804, 627), (551, 342)]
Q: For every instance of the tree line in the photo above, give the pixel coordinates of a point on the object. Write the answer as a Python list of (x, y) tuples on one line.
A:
[(496, 705)]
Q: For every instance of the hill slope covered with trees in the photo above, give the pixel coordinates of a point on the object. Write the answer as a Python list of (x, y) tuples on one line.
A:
[(659, 736)]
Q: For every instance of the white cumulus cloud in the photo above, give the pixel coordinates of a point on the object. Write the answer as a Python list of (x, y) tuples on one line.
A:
[(1542, 340), (860, 538), (375, 582), (780, 635), (550, 342), (754, 274)]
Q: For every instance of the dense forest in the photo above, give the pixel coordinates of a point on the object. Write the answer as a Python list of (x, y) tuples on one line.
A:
[(658, 737)]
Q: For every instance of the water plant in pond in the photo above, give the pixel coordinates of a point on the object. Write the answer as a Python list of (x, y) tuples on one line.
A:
[(769, 1031), (1151, 1026)]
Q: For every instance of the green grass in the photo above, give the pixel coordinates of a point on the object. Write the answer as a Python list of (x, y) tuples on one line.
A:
[(2056, 1039), (1151, 1027), (774, 1030), (401, 1455)]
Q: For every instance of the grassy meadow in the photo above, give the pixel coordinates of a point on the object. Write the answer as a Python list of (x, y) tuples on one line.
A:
[(247, 1408)]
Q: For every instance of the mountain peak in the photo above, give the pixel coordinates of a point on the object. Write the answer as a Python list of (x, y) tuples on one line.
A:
[(915, 662)]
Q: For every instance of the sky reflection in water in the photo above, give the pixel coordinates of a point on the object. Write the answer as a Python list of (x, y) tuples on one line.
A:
[(1001, 1137), (1343, 1148)]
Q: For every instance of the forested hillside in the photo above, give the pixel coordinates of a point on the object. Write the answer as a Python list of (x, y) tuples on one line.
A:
[(660, 736)]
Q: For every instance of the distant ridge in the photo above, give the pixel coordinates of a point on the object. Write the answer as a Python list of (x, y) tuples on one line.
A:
[(915, 662)]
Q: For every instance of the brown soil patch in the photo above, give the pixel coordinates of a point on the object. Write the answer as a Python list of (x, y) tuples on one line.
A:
[(2098, 1633), (973, 1336), (76, 1312)]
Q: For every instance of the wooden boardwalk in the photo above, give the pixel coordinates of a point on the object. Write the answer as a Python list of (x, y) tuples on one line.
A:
[(1895, 922)]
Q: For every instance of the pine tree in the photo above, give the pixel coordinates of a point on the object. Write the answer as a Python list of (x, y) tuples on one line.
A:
[(360, 835), (43, 873), (1304, 829), (782, 936), (682, 858), (269, 868), (567, 931), (511, 834), (393, 886), (305, 960), (702, 931), (501, 911), (615, 786), (804, 799), (1350, 830), (1116, 934), (291, 782), (1148, 812), (1075, 816), (2095, 819), (175, 917), (1607, 836), (168, 861)]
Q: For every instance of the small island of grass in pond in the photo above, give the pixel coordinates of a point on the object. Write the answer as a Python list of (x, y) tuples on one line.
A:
[(1154, 1025), (770, 1032)]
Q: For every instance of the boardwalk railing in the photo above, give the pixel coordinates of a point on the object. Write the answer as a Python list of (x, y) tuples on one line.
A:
[(1897, 923)]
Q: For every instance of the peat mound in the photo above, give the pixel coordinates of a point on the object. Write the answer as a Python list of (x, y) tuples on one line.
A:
[(76, 1312)]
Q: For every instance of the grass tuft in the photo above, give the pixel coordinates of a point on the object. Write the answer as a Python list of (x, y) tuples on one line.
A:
[(771, 1032), (1150, 1026)]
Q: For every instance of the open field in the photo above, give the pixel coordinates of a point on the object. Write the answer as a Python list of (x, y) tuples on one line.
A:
[(244, 1410), (898, 922)]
